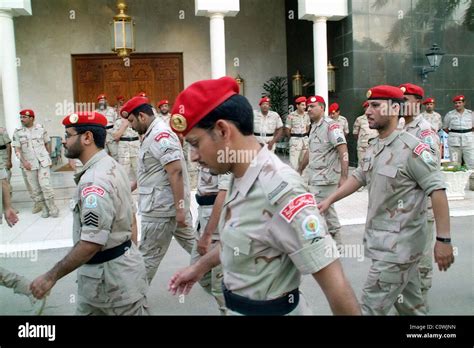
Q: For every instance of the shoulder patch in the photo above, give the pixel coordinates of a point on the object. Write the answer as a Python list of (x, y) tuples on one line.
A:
[(426, 133), (91, 219), (296, 205), (92, 190), (277, 190), (334, 126), (420, 148), (162, 135)]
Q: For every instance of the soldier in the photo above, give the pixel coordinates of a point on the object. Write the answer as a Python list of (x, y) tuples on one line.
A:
[(32, 147), (6, 156), (111, 273), (363, 133), (210, 196), (270, 229), (459, 124), (399, 171), (111, 146), (128, 147), (268, 126), (164, 107), (422, 129), (163, 186), (328, 160), (335, 114), (432, 116), (297, 128)]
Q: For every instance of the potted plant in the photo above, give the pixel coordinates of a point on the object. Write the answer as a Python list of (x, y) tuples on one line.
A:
[(276, 88), (456, 177)]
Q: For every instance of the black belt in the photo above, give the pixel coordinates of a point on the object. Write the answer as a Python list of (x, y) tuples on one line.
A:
[(243, 305), (460, 130), (206, 200), (3, 147), (299, 135), (109, 127), (261, 135), (110, 254), (129, 139)]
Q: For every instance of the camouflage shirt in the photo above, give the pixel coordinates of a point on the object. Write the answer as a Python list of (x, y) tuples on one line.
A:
[(299, 124), (31, 142), (364, 132), (454, 120), (4, 141), (434, 119)]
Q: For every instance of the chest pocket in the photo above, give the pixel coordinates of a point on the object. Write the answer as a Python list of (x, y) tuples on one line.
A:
[(236, 252), (387, 176)]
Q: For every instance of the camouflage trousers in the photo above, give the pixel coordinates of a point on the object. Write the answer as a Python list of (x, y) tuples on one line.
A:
[(459, 154), (297, 147), (211, 282), (330, 216), (156, 234), (18, 283), (302, 308), (390, 284), (426, 262), (130, 164), (40, 181), (27, 184), (139, 307)]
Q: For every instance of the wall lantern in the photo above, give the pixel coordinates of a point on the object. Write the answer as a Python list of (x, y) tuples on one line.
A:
[(123, 41), (434, 56), (297, 84), (331, 77)]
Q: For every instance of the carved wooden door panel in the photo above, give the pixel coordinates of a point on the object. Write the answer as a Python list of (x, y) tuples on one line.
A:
[(159, 75)]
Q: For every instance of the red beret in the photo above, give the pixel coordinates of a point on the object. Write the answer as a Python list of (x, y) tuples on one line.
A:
[(120, 97), (27, 112), (333, 107), (458, 98), (85, 118), (315, 99), (300, 100), (198, 100), (411, 89), (264, 100), (132, 104), (163, 102), (365, 105), (428, 100), (101, 96), (385, 92)]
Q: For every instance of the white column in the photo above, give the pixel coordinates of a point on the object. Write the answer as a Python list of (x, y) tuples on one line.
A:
[(8, 71), (217, 30), (320, 47)]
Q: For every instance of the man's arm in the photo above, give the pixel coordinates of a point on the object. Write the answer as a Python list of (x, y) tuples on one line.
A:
[(118, 134), (8, 211), (175, 175), (349, 187), (344, 159), (19, 155), (48, 146), (81, 253), (183, 280), (443, 251), (276, 137), (205, 240), (9, 156), (337, 289)]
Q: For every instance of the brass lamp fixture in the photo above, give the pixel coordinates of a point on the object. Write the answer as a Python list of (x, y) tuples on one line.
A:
[(331, 77), (297, 84), (122, 32), (241, 82)]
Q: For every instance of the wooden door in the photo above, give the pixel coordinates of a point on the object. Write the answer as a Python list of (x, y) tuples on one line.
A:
[(159, 75)]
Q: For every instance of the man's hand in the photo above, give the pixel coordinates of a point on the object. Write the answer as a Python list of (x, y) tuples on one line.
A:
[(27, 165), (270, 145), (42, 285), (11, 217), (183, 280), (181, 218), (203, 243), (443, 254), (323, 206)]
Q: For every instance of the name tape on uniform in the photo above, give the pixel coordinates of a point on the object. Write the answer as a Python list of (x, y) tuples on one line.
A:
[(296, 205), (93, 189)]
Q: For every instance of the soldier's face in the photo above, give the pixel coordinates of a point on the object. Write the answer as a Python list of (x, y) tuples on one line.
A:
[(459, 105), (208, 149), (334, 114), (137, 123), (164, 109), (429, 107), (265, 107), (301, 107), (72, 143), (26, 121), (102, 104), (315, 111), (380, 113), (411, 106)]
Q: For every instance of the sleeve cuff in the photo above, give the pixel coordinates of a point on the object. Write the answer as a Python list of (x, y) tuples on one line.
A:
[(95, 236), (314, 257)]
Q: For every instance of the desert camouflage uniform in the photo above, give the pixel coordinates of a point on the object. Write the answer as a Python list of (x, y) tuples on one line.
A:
[(102, 214), (264, 127), (434, 119), (209, 184), (271, 233), (361, 127), (299, 125), (160, 147), (128, 148), (324, 168), (400, 172), (111, 146)]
